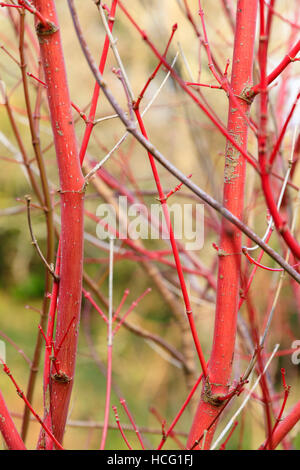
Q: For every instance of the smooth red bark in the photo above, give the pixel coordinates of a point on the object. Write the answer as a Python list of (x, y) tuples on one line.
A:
[(72, 196), (220, 362), (8, 429)]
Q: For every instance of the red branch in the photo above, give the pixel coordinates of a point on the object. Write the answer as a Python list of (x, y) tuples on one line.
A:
[(285, 426), (71, 239), (220, 362), (120, 427), (21, 395), (223, 446), (8, 429), (288, 58), (123, 403)]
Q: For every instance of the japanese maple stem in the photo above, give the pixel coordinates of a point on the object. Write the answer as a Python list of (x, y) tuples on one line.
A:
[(92, 113), (8, 429), (179, 414), (285, 426), (44, 440), (288, 58), (183, 287), (220, 363), (49, 222), (72, 197)]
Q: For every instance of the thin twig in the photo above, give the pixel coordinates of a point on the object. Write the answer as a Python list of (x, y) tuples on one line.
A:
[(35, 243), (114, 48)]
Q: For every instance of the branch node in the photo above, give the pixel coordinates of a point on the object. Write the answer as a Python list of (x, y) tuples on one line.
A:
[(247, 94), (209, 397), (61, 377), (42, 30)]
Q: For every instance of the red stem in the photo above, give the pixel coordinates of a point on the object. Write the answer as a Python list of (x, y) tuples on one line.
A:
[(133, 305), (125, 295), (162, 421), (21, 395), (286, 394), (8, 429), (253, 261), (223, 446), (123, 403), (285, 426), (88, 296), (54, 295), (220, 362), (185, 295), (120, 427), (44, 441), (71, 184), (179, 414), (288, 58), (280, 224), (283, 131), (92, 113)]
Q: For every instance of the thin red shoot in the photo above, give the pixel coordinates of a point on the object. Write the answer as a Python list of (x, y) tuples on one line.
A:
[(56, 351), (132, 306), (123, 403), (34, 11), (217, 87), (74, 106), (9, 5), (153, 75), (244, 250), (44, 336), (120, 427), (125, 295), (180, 412), (177, 188), (88, 296), (252, 261), (288, 58), (223, 446), (163, 423), (278, 419), (21, 395), (283, 131)]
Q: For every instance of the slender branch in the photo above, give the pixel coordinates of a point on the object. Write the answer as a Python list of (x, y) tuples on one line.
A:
[(35, 243), (72, 199), (288, 58)]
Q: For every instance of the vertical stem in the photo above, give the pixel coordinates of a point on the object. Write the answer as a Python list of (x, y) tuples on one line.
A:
[(8, 428), (220, 362), (90, 125), (183, 287), (285, 426), (49, 222), (44, 441), (71, 239)]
